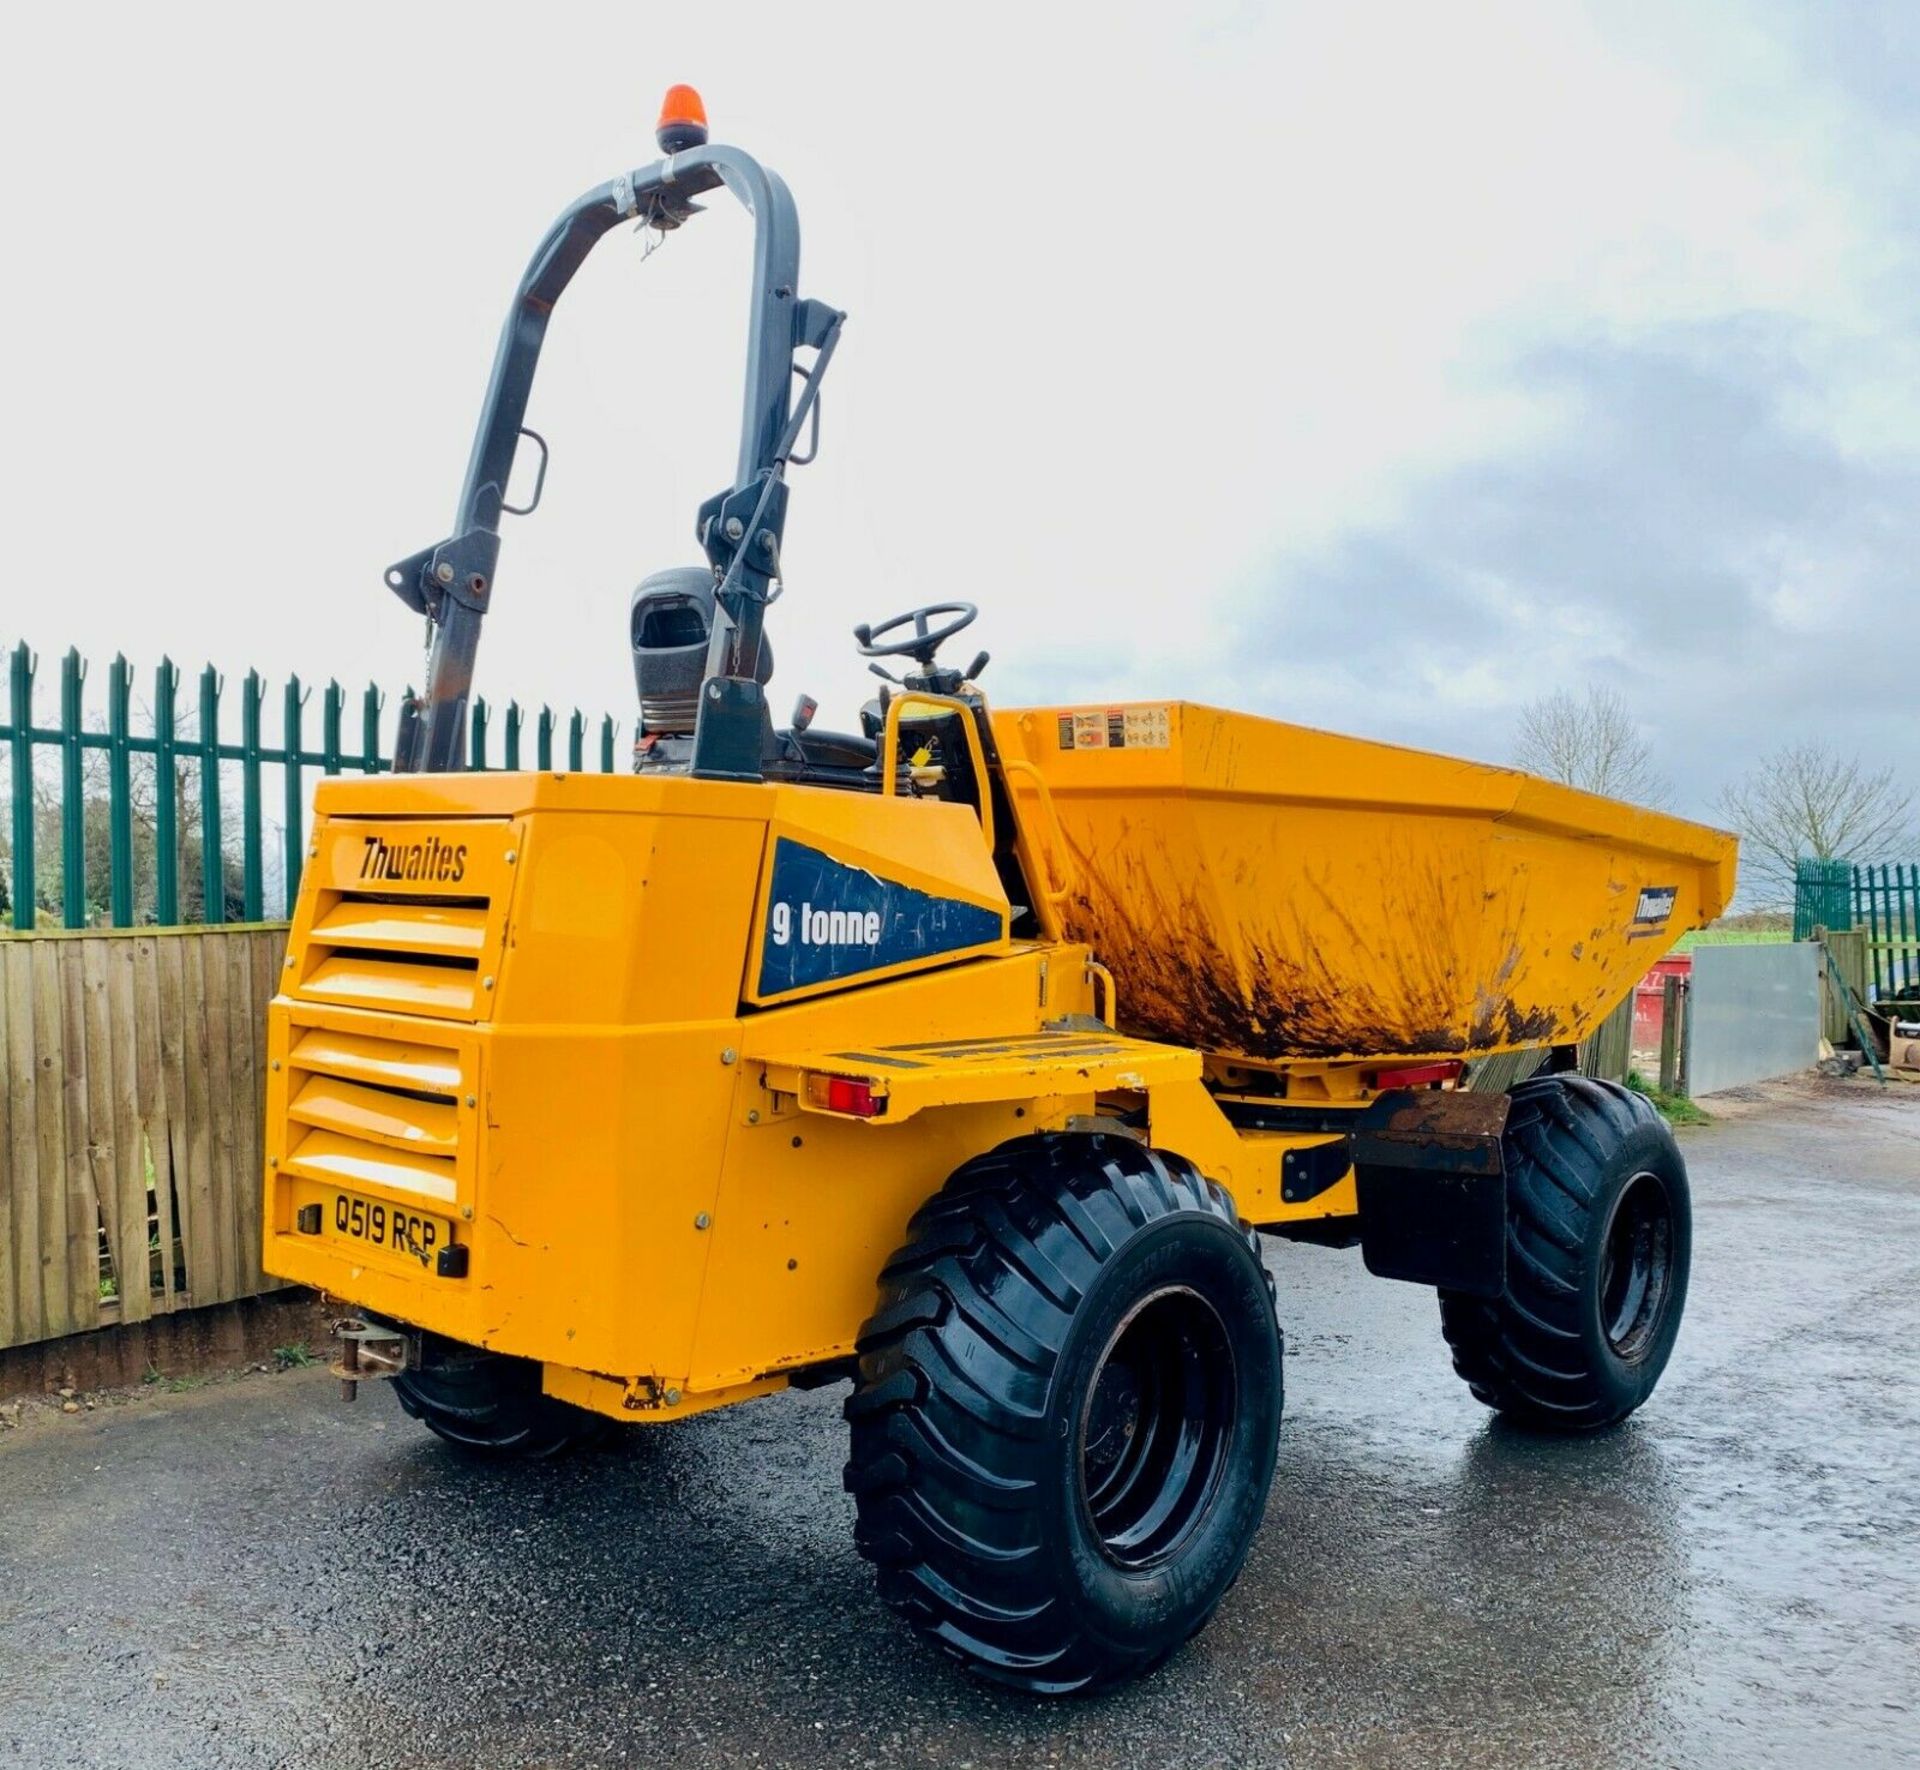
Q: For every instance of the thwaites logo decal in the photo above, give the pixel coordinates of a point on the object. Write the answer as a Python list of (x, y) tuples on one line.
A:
[(442, 862), (1654, 909), (827, 920)]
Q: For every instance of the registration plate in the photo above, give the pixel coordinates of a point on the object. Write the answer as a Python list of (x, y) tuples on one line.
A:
[(394, 1228)]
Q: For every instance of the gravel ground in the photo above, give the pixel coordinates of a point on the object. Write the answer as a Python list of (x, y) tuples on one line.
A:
[(253, 1573)]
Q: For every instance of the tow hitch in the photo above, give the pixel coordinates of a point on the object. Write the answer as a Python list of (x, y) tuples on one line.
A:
[(370, 1349)]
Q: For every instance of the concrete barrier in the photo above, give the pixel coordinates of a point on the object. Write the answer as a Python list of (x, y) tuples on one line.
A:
[(1753, 1013)]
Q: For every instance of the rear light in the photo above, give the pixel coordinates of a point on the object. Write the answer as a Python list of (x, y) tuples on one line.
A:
[(844, 1094)]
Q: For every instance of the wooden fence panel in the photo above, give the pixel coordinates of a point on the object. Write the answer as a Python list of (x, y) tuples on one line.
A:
[(246, 1040), (84, 1207), (130, 1020), (130, 1123), (50, 1139), (1608, 1054), (173, 1198), (136, 1065), (23, 1166), (1847, 956), (193, 1149), (20, 1239), (9, 1271)]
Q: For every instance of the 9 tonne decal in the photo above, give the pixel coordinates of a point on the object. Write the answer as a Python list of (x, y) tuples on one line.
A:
[(826, 927), (827, 920)]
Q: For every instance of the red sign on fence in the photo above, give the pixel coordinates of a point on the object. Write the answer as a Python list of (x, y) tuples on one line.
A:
[(1649, 999)]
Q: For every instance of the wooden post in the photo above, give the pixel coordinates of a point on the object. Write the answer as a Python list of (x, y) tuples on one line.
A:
[(1670, 1045), (1846, 959)]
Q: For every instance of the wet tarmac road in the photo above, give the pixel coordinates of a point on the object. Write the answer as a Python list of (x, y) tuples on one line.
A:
[(255, 1574)]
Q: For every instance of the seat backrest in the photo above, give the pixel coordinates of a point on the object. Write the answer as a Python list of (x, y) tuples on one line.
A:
[(669, 625)]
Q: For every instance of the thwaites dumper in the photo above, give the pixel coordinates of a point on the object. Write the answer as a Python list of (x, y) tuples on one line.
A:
[(964, 1056)]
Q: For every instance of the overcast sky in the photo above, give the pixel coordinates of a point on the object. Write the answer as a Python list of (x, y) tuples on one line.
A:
[(1376, 367)]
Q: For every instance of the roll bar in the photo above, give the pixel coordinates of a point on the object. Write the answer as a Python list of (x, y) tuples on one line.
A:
[(452, 582)]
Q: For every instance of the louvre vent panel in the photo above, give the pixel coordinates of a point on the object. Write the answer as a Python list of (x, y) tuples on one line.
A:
[(365, 1112)]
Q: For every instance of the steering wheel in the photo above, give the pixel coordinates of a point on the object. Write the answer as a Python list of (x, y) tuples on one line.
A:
[(925, 639)]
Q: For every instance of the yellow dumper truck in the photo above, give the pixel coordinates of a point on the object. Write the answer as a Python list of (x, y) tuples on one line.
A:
[(964, 1056)]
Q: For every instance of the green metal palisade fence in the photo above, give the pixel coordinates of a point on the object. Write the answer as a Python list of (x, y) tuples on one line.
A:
[(1822, 895), (1886, 903), (193, 769)]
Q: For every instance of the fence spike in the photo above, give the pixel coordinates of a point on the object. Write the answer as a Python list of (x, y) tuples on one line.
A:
[(1901, 970), (332, 706), (292, 758), (252, 865), (166, 796), (73, 804), (119, 792), (20, 668), (371, 702), (213, 855)]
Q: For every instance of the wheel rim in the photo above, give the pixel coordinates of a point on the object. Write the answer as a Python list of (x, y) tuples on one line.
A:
[(1157, 1426), (1636, 1266)]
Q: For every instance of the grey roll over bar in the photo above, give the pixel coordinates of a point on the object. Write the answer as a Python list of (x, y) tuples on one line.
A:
[(452, 582)]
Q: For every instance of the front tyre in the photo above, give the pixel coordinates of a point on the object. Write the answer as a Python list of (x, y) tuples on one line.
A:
[(1599, 1243), (1067, 1412)]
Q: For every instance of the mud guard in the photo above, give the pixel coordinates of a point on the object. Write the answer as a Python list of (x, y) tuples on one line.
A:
[(1432, 1188)]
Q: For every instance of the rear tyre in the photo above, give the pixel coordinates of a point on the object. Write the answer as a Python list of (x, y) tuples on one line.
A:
[(1067, 1411), (485, 1404), (1599, 1242)]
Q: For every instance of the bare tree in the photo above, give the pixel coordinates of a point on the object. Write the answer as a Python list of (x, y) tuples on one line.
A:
[(1808, 800), (142, 827), (1589, 741)]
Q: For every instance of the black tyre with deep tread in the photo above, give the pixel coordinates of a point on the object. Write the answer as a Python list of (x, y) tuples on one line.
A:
[(1599, 1242), (1068, 1405), (489, 1405)]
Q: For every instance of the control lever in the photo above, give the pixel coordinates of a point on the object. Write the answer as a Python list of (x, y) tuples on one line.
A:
[(973, 670)]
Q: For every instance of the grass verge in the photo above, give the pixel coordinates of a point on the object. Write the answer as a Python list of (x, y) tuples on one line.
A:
[(1676, 1109)]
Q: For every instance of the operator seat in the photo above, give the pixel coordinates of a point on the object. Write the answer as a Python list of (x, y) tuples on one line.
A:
[(670, 622)]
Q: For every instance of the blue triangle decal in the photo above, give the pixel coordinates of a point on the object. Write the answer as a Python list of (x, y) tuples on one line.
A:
[(827, 920)]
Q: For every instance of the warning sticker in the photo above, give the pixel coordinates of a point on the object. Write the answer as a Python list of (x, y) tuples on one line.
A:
[(1117, 728)]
